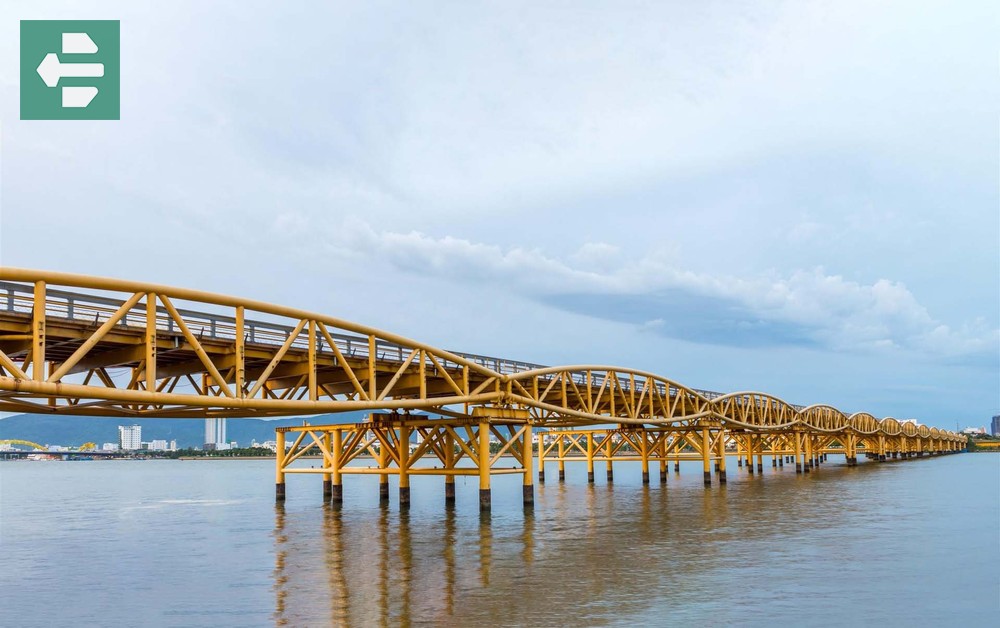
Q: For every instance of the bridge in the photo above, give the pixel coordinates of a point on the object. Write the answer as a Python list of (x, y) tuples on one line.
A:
[(89, 346), (86, 450)]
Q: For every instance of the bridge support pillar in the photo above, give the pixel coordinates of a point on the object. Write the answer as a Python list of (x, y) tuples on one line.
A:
[(279, 473), (485, 497), (644, 455), (662, 449), (706, 456), (562, 462), (607, 454), (541, 458), (336, 448), (404, 466), (590, 458), (798, 451), (327, 464), (528, 492), (721, 465), (383, 478), (449, 463)]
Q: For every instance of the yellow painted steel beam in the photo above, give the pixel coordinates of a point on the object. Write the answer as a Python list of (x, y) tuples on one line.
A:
[(38, 332)]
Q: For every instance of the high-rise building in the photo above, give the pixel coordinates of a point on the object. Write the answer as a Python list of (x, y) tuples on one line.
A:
[(995, 426), (129, 437), (215, 432)]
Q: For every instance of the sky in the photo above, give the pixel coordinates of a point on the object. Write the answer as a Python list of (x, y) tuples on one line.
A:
[(799, 198)]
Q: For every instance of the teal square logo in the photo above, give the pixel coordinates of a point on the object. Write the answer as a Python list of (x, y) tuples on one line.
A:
[(70, 70)]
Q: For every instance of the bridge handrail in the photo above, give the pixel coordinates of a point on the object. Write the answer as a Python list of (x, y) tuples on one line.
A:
[(19, 297)]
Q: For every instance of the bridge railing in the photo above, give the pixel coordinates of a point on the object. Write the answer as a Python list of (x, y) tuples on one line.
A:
[(95, 309)]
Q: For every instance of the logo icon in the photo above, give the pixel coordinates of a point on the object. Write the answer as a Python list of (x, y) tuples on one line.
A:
[(70, 70)]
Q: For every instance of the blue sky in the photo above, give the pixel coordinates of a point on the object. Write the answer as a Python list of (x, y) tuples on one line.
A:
[(800, 199)]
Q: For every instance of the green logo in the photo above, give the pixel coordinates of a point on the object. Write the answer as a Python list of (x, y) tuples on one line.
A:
[(70, 70)]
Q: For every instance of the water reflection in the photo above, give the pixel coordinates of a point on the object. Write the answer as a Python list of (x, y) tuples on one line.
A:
[(280, 556), (586, 554), (896, 543), (339, 592)]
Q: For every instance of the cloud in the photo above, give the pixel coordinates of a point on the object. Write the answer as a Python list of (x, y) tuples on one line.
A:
[(808, 308)]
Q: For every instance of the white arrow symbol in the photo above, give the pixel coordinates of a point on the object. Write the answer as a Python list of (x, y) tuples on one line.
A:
[(78, 44), (51, 70), (77, 97)]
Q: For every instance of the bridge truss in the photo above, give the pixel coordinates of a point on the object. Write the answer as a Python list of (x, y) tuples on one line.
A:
[(79, 345)]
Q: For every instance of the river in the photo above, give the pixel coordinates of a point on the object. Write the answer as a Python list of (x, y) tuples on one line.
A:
[(201, 543)]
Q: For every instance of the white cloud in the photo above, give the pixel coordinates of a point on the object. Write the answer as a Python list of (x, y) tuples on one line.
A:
[(824, 309)]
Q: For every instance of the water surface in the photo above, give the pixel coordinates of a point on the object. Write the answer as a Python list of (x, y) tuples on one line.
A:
[(201, 543)]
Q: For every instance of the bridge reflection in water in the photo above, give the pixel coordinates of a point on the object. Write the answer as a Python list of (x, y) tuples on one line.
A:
[(603, 552)]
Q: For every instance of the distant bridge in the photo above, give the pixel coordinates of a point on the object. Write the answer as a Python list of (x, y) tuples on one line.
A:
[(98, 453), (79, 345)]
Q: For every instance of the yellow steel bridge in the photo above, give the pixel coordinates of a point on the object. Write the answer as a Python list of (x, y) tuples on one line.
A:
[(79, 345)]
